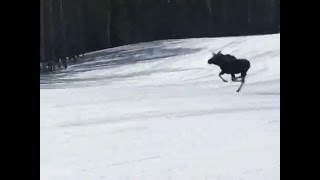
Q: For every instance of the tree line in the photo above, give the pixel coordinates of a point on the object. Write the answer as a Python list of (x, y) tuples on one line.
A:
[(69, 28)]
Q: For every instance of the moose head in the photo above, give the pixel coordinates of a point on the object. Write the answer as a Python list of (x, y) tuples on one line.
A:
[(215, 58)]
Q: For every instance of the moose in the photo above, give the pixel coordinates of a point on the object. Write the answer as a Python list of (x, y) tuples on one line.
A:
[(231, 65)]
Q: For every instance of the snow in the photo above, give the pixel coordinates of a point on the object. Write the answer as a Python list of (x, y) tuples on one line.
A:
[(157, 110)]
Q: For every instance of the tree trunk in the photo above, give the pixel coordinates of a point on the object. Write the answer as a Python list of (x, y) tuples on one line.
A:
[(108, 23), (42, 37), (51, 31), (63, 29), (249, 12)]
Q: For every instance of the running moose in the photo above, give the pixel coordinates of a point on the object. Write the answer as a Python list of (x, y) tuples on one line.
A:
[(231, 65)]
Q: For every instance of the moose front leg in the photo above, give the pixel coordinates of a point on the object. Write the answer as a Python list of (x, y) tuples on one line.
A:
[(220, 75)]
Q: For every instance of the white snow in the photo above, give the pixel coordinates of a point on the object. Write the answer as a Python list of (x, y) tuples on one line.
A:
[(157, 110)]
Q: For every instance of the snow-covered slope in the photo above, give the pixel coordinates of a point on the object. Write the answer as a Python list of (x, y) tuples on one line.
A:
[(157, 110)]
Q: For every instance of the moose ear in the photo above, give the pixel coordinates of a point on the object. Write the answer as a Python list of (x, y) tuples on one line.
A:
[(213, 53)]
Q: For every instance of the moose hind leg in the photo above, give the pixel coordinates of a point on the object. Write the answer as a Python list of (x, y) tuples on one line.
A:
[(234, 78), (242, 83), (243, 76)]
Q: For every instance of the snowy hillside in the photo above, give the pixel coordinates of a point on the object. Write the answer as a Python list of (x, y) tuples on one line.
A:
[(157, 110)]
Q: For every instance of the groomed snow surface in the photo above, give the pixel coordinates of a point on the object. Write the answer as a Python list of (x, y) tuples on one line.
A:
[(158, 111)]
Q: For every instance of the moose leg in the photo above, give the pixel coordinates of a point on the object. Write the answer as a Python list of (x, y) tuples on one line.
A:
[(220, 75), (234, 78), (243, 76), (242, 82)]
